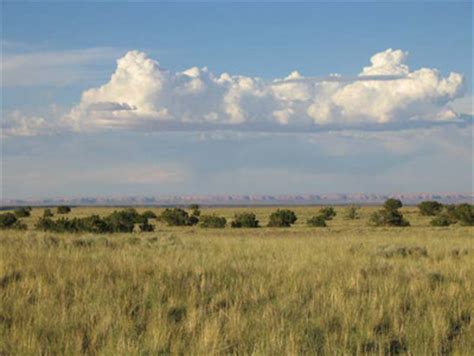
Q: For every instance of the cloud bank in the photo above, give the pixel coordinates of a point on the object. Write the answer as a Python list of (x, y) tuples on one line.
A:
[(142, 95)]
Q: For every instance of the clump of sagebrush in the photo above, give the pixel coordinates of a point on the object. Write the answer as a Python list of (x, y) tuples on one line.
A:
[(118, 221), (389, 215), (245, 219), (178, 217), (430, 208), (282, 218), (47, 213), (352, 212), (10, 221), (452, 214), (23, 212), (63, 209), (149, 214), (212, 221), (317, 221), (328, 213)]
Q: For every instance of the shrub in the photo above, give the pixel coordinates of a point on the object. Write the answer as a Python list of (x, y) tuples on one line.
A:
[(149, 215), (441, 220), (248, 220), (124, 220), (282, 218), (392, 204), (195, 210), (47, 213), (430, 208), (389, 215), (7, 220), (22, 212), (146, 227), (351, 212), (317, 221), (464, 213), (328, 213), (178, 217), (212, 221), (63, 209)]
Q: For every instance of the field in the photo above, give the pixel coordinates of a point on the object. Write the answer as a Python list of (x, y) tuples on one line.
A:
[(345, 289)]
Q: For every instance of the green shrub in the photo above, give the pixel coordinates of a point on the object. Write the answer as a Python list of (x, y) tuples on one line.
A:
[(282, 218), (351, 212), (317, 221), (464, 213), (430, 208), (22, 212), (212, 221), (7, 220), (63, 209), (178, 217), (195, 210), (146, 227), (149, 215), (248, 220), (441, 220), (47, 213), (392, 204), (389, 215), (328, 213)]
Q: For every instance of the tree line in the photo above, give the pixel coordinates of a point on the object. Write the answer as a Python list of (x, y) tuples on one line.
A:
[(128, 220)]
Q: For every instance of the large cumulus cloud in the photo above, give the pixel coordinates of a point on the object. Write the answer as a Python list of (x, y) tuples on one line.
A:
[(141, 92)]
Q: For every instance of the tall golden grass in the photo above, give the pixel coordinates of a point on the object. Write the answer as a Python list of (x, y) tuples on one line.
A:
[(344, 289)]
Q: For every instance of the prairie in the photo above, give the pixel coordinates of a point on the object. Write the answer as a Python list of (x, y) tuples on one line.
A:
[(344, 289)]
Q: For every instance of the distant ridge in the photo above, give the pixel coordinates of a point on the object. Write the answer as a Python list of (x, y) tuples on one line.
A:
[(288, 199)]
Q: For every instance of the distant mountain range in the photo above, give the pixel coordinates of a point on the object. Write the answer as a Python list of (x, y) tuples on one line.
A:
[(289, 199)]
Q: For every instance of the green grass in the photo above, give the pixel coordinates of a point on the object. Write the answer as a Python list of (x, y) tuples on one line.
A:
[(344, 289)]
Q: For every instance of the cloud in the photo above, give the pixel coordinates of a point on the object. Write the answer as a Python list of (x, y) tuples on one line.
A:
[(31, 67), (142, 95)]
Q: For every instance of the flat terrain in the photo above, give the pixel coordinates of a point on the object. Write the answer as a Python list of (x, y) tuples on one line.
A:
[(345, 289)]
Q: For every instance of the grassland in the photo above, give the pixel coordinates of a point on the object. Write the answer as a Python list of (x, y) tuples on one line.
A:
[(344, 289)]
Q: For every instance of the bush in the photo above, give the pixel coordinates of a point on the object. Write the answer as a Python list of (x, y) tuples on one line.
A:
[(124, 220), (282, 218), (351, 212), (392, 204), (248, 220), (63, 209), (441, 220), (464, 213), (47, 213), (389, 215), (146, 227), (149, 215), (212, 221), (178, 217), (430, 208), (317, 221), (7, 220), (22, 212), (195, 210), (328, 213)]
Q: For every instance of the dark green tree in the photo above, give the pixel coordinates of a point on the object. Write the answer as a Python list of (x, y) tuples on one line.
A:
[(430, 208), (282, 218), (245, 219)]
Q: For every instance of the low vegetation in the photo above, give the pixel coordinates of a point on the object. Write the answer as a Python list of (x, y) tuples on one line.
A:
[(347, 289), (282, 218), (246, 220), (389, 215), (212, 221)]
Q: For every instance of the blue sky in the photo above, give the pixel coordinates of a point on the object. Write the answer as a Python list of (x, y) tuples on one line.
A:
[(343, 123)]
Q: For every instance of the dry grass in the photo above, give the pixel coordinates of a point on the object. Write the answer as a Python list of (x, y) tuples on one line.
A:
[(345, 289)]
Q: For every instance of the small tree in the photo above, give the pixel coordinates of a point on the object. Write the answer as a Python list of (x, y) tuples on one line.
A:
[(63, 209), (430, 208), (392, 204), (464, 213), (177, 217), (248, 220), (47, 213), (317, 221), (389, 215), (7, 220), (351, 212), (441, 220), (328, 213), (212, 221), (149, 215), (195, 210), (22, 212), (282, 218)]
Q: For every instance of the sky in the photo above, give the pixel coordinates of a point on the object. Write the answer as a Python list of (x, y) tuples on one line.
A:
[(117, 99)]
